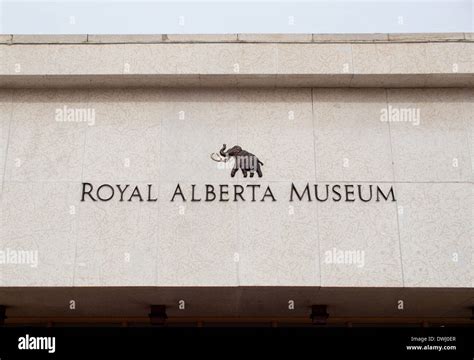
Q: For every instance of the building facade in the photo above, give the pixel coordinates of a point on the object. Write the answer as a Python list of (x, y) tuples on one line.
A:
[(237, 178)]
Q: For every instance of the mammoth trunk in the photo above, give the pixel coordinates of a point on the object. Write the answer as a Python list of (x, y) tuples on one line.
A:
[(222, 151)]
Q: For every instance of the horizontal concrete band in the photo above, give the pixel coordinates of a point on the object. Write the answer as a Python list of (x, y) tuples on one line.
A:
[(289, 63), (283, 302), (211, 38), (221, 81)]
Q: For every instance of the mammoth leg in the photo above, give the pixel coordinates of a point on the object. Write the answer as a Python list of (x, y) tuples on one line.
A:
[(234, 169), (259, 171), (252, 173), (244, 172)]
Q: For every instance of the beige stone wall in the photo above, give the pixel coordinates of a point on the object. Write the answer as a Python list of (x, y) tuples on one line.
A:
[(163, 136), (383, 60)]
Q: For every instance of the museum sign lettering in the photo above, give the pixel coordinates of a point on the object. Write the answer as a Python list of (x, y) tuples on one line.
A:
[(235, 193), (249, 165)]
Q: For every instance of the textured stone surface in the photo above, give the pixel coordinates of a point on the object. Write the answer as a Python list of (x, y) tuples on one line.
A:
[(104, 39), (314, 59), (368, 235), (200, 37), (6, 39), (351, 141), (426, 37), (122, 117), (436, 149), (41, 148), (41, 218), (291, 38), (391, 59), (297, 60), (350, 37), (282, 252), (197, 241), (116, 244), (194, 125), (48, 39), (258, 38), (436, 234), (165, 136), (277, 126)]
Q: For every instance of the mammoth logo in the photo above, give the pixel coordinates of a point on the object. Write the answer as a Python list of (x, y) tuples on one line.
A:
[(243, 160)]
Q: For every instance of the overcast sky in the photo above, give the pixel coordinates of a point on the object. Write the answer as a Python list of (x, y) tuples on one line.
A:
[(237, 16)]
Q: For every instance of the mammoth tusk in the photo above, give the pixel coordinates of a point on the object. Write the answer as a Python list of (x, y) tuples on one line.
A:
[(218, 158)]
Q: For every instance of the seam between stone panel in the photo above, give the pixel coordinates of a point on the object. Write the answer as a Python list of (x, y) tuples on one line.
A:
[(390, 40), (393, 177), (2, 238), (469, 134), (155, 99), (352, 66), (315, 179), (277, 68), (75, 264), (238, 242), (85, 138), (10, 119)]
